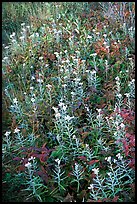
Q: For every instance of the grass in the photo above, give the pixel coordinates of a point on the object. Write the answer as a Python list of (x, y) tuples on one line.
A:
[(68, 102)]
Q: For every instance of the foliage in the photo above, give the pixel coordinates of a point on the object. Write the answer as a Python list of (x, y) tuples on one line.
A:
[(68, 101)]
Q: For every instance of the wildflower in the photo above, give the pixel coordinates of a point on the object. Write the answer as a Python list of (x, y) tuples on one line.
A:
[(32, 78), (108, 159), (16, 130), (94, 54), (58, 161), (109, 173), (99, 110), (32, 100), (68, 117), (89, 37), (122, 125), (31, 158), (15, 101), (7, 47), (31, 88), (28, 27), (49, 86), (117, 78), (119, 95), (57, 115), (87, 145), (61, 104), (28, 165), (91, 186), (55, 109), (74, 137), (41, 58), (115, 160), (40, 80), (22, 24), (96, 170), (7, 133), (119, 156), (105, 35), (22, 37)]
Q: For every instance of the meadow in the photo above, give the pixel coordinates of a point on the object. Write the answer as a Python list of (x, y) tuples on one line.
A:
[(68, 102)]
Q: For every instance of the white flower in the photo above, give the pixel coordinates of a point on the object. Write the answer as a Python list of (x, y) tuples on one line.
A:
[(117, 78), (40, 80), (31, 88), (7, 47), (68, 117), (74, 137), (16, 130), (96, 170), (22, 24), (119, 95), (7, 133), (87, 145), (91, 186), (115, 160), (32, 78), (55, 109), (94, 54), (15, 101), (22, 37), (105, 35), (58, 161), (119, 156), (49, 86), (109, 173), (40, 58), (28, 165), (122, 125), (32, 100), (89, 37), (61, 104), (127, 94), (57, 115), (108, 159), (104, 43), (31, 158), (99, 110), (28, 27)]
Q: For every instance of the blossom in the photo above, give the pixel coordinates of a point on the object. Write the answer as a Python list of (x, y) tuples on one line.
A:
[(122, 125), (94, 54), (7, 133), (96, 170), (22, 24), (55, 109), (68, 117), (49, 86), (108, 159), (31, 158), (119, 156), (57, 115), (16, 130), (32, 100), (40, 80), (117, 78), (58, 161), (15, 101), (91, 186), (28, 165), (105, 35)]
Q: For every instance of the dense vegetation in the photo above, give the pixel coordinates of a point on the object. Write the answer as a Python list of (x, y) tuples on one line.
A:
[(68, 95)]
